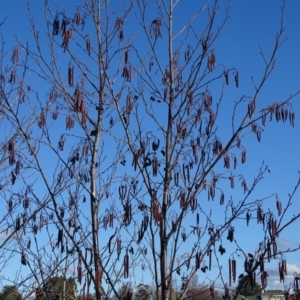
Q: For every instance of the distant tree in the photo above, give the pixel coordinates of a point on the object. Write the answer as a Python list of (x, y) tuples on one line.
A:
[(194, 281), (123, 292), (244, 287), (202, 292), (156, 296), (143, 292), (39, 295), (56, 287), (10, 292)]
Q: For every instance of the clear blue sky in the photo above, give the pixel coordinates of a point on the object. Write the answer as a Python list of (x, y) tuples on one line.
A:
[(251, 22)]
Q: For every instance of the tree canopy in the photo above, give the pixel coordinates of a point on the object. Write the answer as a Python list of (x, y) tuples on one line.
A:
[(244, 287), (57, 288), (10, 292)]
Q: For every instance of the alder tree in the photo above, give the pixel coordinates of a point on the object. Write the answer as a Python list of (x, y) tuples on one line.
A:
[(119, 161)]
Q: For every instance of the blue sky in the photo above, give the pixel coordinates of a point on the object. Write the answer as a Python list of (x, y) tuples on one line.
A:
[(250, 23)]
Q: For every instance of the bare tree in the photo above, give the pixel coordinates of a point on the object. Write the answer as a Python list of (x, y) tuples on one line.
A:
[(72, 170), (89, 96), (180, 153), (16, 208)]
